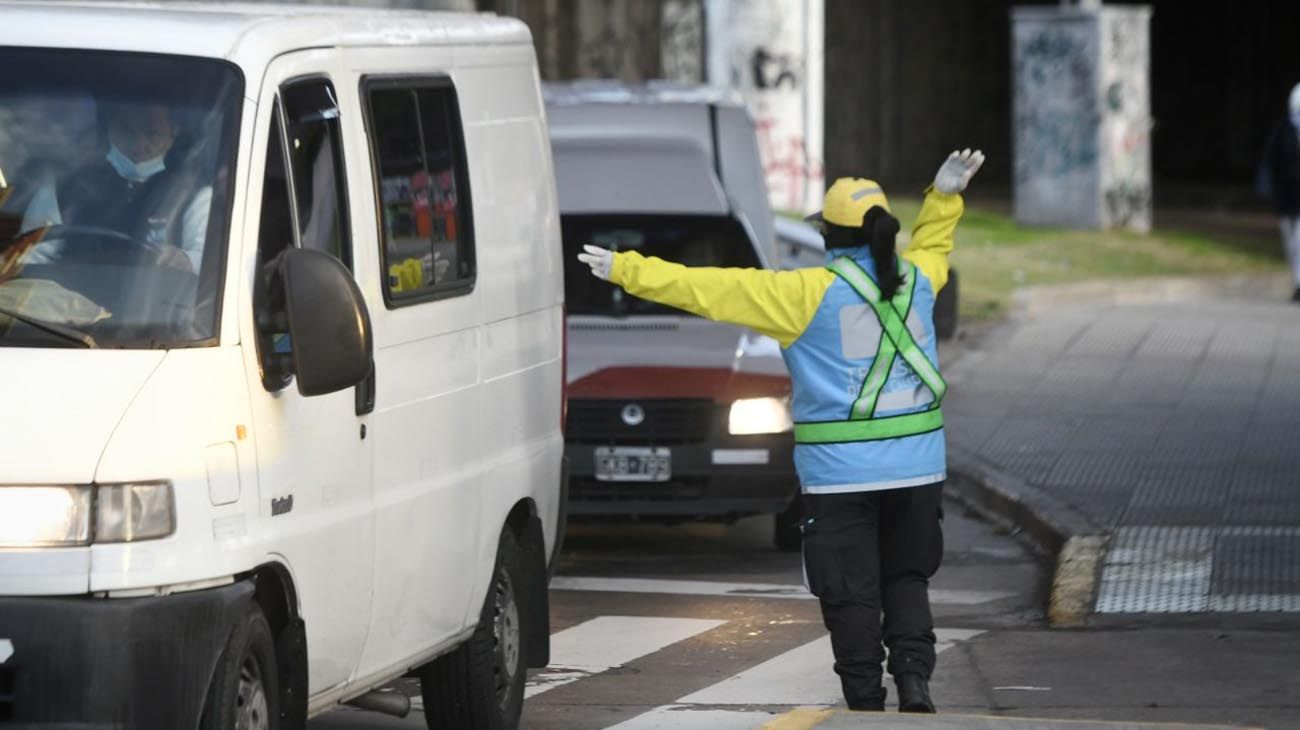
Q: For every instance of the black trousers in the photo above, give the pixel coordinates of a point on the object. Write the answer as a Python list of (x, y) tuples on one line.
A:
[(868, 553)]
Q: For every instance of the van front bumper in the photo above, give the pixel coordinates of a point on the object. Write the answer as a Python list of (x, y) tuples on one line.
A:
[(82, 663), (705, 483)]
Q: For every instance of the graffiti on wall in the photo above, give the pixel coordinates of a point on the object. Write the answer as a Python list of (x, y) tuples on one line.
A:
[(681, 50), (1056, 123), (1126, 135), (765, 50), (1082, 118)]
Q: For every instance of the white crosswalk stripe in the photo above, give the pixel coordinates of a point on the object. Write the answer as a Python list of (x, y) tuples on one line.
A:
[(742, 590), (606, 642), (799, 677)]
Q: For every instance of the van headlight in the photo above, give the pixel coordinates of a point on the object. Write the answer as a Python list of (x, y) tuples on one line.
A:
[(44, 516), (67, 516), (759, 415)]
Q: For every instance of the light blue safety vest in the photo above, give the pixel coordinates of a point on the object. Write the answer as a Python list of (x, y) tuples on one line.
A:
[(866, 396)]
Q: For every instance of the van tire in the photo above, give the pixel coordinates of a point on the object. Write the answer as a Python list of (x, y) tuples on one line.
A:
[(480, 685), (786, 534), (245, 689)]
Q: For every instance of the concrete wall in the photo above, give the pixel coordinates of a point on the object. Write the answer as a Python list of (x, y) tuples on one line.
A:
[(1082, 153), (907, 81)]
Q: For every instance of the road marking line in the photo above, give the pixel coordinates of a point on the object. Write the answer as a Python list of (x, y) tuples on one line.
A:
[(606, 642), (741, 590), (802, 718), (676, 717)]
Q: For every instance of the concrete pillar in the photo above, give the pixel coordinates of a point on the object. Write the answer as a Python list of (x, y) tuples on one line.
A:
[(1082, 116)]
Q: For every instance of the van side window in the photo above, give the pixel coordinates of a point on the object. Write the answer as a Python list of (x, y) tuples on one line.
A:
[(419, 155), (316, 155)]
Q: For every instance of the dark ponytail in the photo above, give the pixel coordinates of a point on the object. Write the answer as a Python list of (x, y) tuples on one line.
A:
[(880, 231)]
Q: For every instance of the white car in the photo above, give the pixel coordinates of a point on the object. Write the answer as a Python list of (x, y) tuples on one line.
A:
[(281, 323)]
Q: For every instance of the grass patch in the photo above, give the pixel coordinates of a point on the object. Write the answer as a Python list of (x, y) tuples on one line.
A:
[(995, 256)]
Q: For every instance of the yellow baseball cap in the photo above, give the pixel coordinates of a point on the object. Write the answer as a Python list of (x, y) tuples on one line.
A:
[(848, 199)]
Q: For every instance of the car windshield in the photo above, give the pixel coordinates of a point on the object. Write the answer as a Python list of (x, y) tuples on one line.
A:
[(115, 181), (687, 240)]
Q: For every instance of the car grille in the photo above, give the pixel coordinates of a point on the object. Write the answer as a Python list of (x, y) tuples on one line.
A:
[(666, 421)]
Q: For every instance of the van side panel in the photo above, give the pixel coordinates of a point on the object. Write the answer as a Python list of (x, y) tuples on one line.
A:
[(522, 286)]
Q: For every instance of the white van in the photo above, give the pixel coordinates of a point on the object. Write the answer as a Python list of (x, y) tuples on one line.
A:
[(281, 334), (671, 417)]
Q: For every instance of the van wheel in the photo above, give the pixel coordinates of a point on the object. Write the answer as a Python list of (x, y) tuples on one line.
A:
[(480, 685), (785, 527), (245, 690)]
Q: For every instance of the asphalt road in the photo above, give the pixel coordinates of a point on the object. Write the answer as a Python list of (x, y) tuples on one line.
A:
[(707, 626)]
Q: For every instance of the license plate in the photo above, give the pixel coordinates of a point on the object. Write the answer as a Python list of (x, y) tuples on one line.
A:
[(633, 464)]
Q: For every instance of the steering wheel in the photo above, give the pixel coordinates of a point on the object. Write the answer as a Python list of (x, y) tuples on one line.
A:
[(115, 239)]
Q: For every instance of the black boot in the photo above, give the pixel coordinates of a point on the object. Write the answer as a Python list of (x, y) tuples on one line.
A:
[(913, 693), (862, 699)]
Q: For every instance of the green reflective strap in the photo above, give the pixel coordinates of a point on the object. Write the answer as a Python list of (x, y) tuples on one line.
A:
[(893, 324), (865, 405), (872, 429)]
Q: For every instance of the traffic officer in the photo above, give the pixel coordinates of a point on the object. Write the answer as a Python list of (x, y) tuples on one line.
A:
[(858, 340)]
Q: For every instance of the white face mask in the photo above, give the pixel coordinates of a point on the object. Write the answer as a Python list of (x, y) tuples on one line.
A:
[(132, 170), (1294, 106)]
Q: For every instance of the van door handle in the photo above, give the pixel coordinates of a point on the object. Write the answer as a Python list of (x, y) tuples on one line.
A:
[(366, 392)]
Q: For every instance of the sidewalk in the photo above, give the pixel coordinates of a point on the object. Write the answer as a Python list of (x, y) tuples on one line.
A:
[(1157, 443)]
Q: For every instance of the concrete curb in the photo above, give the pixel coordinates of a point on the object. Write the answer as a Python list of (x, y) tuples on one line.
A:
[(1067, 536)]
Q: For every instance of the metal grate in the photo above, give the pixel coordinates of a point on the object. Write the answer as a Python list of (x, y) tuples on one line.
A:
[(1257, 561), (666, 421), (1201, 569), (1157, 570)]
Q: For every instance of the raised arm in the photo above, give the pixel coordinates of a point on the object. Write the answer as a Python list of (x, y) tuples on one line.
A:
[(942, 208), (779, 304)]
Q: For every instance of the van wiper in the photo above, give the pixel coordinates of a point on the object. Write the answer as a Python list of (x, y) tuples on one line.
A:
[(68, 333)]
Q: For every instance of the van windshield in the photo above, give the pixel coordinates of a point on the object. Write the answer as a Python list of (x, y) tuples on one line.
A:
[(115, 182), (687, 240)]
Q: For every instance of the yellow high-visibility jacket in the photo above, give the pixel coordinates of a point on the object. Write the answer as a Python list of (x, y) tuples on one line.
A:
[(818, 321)]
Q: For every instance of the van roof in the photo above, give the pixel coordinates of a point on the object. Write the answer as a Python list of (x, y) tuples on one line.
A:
[(606, 91), (227, 30)]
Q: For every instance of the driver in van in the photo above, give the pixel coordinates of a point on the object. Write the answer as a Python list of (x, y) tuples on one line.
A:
[(858, 339), (130, 192)]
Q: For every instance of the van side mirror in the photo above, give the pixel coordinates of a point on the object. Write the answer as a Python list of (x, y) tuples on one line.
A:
[(331, 344)]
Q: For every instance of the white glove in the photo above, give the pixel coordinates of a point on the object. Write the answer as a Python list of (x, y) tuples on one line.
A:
[(601, 260), (957, 170)]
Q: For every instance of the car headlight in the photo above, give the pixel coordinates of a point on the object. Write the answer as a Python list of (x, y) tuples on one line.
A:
[(44, 516), (130, 512), (759, 415), (66, 516)]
